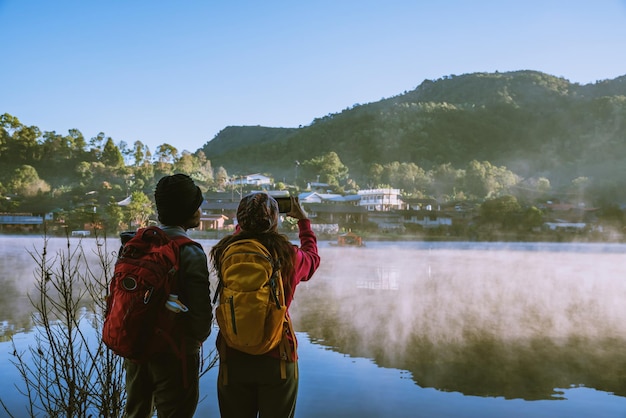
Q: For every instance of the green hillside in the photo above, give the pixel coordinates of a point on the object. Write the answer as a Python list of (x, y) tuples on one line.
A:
[(533, 123)]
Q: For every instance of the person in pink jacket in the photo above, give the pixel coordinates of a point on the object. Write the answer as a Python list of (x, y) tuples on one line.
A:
[(265, 385)]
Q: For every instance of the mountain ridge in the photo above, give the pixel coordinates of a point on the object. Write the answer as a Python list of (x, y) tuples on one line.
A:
[(533, 123)]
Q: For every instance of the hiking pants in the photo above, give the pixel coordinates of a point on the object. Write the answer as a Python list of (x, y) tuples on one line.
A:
[(162, 383), (254, 386)]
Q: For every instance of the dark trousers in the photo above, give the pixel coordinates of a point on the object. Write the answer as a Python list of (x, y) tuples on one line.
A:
[(163, 383), (254, 386)]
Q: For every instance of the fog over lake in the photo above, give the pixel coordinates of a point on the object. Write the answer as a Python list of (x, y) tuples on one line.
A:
[(418, 329)]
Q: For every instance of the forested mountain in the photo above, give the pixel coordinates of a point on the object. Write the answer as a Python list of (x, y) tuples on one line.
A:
[(534, 124), (476, 137)]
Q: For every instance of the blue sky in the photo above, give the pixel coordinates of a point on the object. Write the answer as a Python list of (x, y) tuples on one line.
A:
[(178, 72)]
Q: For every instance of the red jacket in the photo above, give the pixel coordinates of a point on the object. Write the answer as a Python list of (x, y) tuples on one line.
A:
[(307, 259)]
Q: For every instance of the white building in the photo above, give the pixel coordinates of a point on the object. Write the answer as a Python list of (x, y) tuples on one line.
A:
[(381, 200), (251, 179), (315, 197)]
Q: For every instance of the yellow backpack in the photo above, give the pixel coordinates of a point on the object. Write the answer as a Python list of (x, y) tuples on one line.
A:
[(251, 313)]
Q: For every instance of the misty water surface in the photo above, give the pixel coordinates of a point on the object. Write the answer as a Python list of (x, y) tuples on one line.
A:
[(433, 330)]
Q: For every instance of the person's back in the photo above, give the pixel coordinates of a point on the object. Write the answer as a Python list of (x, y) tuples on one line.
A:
[(266, 384), (170, 380)]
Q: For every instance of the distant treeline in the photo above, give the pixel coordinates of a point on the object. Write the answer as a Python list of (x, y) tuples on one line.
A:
[(470, 137)]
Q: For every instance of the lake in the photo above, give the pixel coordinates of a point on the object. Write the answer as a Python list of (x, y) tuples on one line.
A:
[(418, 329)]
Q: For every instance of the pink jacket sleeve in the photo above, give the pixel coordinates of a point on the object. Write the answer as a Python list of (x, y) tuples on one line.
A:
[(307, 258)]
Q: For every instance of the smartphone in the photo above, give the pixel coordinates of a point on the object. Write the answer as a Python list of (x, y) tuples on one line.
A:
[(284, 204)]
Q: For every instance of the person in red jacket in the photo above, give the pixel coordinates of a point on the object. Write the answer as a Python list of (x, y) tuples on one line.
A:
[(254, 385)]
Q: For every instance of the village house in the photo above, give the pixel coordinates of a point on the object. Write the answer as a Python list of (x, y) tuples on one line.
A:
[(23, 222), (421, 204), (257, 180), (331, 208), (344, 213), (562, 216), (219, 209), (425, 218), (384, 207), (381, 200), (318, 187)]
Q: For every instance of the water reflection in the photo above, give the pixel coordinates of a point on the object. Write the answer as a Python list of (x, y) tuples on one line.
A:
[(16, 278), (512, 324), (493, 323), (14, 312), (20, 272)]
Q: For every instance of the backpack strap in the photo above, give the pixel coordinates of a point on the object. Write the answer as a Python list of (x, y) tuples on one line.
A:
[(181, 241), (218, 289), (286, 353), (274, 281), (179, 349)]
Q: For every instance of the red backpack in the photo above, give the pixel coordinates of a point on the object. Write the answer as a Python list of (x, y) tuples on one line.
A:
[(137, 323)]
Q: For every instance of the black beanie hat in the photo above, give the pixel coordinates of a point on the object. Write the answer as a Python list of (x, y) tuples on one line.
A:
[(177, 199)]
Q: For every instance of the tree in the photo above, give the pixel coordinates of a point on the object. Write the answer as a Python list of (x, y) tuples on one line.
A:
[(406, 176), (125, 151), (204, 175), (543, 185), (483, 180), (580, 186), (25, 145), (78, 141), (56, 149), (446, 180), (166, 155), (375, 175), (503, 210), (144, 176), (139, 209), (18, 143), (111, 155), (221, 178), (8, 125), (533, 218), (475, 179), (139, 153), (328, 167), (84, 170), (186, 164), (96, 146), (114, 218), (26, 182), (69, 372)]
